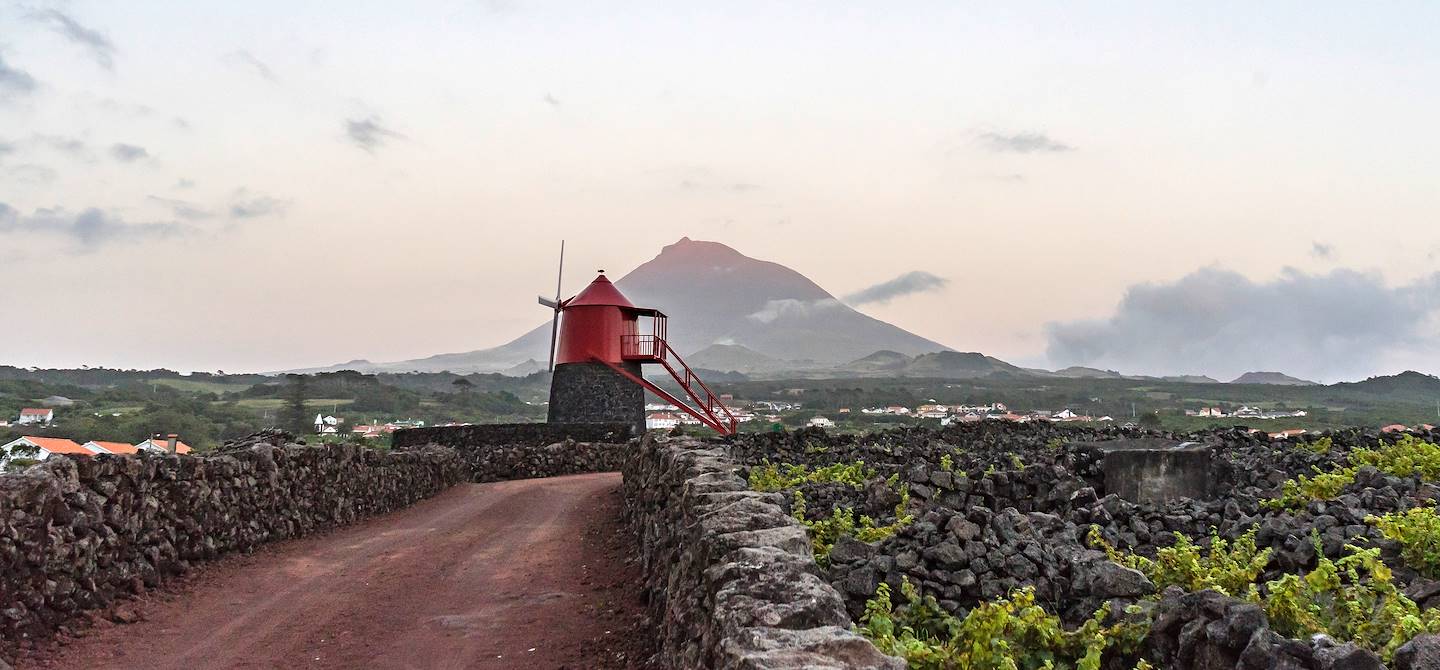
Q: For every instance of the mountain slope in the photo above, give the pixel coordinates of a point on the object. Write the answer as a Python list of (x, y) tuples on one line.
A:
[(716, 295), (733, 358), (1276, 378)]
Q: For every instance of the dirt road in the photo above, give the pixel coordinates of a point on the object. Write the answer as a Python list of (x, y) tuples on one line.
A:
[(514, 574)]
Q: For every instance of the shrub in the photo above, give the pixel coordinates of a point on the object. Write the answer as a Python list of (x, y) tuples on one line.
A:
[(1230, 568), (1008, 633), (1351, 599), (770, 477), (843, 521), (1320, 446), (1418, 533), (1408, 457)]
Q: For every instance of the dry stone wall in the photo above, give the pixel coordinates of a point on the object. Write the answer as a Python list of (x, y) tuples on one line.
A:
[(730, 579), (501, 452), (77, 535)]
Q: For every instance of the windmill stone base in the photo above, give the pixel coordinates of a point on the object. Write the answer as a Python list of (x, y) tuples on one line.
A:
[(593, 393)]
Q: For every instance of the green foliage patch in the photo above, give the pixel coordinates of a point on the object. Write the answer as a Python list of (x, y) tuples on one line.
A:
[(1230, 568), (1352, 599), (770, 477), (843, 521), (1011, 633), (1418, 533), (1408, 457)]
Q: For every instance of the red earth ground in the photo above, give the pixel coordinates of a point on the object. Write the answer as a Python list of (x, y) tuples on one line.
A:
[(534, 574)]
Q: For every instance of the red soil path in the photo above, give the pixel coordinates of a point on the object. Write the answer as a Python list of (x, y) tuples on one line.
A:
[(529, 574)]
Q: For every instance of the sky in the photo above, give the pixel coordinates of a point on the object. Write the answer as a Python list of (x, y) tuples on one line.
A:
[(1151, 187)]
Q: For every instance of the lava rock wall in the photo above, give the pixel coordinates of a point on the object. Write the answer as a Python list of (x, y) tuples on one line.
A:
[(730, 579), (77, 535), (501, 452)]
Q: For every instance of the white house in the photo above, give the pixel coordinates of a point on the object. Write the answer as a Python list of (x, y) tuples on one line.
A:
[(100, 447), (327, 425), (163, 445), (821, 422), (1064, 415), (40, 448), (661, 421), (32, 416)]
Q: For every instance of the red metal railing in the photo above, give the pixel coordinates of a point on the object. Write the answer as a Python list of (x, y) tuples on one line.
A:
[(709, 409)]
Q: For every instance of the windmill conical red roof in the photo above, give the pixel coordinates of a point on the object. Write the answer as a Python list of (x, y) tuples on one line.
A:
[(600, 292)]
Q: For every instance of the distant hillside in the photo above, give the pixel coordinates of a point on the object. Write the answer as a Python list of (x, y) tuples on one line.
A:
[(1190, 379), (1273, 378), (733, 358), (1408, 385), (1081, 372), (955, 364), (880, 361)]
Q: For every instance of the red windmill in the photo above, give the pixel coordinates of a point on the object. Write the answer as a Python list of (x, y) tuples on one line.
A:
[(598, 345)]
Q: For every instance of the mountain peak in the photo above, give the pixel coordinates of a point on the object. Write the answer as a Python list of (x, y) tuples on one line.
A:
[(688, 250)]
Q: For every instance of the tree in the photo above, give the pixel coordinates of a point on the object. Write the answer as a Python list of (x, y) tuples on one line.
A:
[(462, 384), (1150, 420), (293, 417)]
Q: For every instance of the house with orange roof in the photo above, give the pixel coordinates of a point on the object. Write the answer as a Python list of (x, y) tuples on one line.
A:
[(164, 445), (101, 447), (30, 416), (1395, 428), (40, 448)]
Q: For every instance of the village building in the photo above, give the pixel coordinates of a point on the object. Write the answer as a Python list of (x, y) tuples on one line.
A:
[(40, 448), (327, 425), (31, 416), (100, 447), (661, 421), (165, 445), (820, 422)]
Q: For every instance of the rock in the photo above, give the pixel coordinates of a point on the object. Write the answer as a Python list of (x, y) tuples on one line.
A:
[(1106, 579), (847, 549), (963, 529), (1347, 657), (947, 555), (125, 614), (1420, 653)]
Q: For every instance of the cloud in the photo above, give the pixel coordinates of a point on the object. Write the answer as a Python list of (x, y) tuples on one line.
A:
[(99, 46), (88, 230), (66, 145), (906, 284), (247, 59), (1339, 325), (183, 183), (248, 206), (14, 80), (183, 209), (30, 173), (128, 153), (790, 308), (368, 133), (552, 101), (1023, 143), (1321, 250), (6, 148)]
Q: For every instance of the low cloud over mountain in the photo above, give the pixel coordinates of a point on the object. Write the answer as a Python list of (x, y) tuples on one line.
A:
[(1342, 324)]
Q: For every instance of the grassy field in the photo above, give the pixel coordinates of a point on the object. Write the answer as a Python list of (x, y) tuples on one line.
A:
[(196, 386), (318, 404)]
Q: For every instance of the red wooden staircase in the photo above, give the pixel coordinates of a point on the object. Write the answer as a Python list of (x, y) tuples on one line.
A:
[(653, 348)]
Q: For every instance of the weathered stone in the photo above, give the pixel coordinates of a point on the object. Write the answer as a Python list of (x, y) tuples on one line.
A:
[(1420, 653)]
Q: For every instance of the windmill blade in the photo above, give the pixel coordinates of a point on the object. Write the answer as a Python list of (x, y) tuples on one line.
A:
[(549, 303), (555, 320)]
